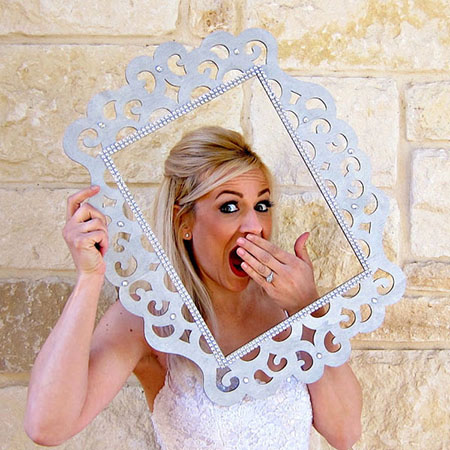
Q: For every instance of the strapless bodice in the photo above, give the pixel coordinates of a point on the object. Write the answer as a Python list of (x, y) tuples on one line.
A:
[(185, 418)]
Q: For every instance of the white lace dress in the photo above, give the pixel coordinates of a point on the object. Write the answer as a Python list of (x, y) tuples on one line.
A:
[(184, 418)]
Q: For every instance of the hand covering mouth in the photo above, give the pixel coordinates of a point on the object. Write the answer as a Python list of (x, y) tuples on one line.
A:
[(235, 264)]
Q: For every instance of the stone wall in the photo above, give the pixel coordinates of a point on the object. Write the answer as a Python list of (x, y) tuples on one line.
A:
[(387, 65)]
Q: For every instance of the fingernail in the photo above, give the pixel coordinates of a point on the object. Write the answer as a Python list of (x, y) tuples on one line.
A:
[(240, 251), (241, 241)]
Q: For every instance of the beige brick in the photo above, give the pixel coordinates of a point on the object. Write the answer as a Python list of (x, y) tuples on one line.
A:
[(406, 400), (369, 106), (43, 89), (414, 319), (58, 17), (428, 276), (427, 111), (430, 205), (391, 235), (124, 424), (28, 311), (365, 34), (31, 223), (206, 16)]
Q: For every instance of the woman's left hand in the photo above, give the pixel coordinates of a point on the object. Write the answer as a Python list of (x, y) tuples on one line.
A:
[(292, 286)]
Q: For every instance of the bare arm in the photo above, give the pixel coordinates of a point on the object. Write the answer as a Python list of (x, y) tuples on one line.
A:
[(79, 371), (337, 403)]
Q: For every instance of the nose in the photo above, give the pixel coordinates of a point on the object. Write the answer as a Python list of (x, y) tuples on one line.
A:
[(251, 223)]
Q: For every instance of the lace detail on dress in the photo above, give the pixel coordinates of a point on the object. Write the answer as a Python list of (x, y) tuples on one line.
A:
[(185, 418)]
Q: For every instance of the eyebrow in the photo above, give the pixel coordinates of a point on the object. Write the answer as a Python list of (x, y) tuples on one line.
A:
[(226, 191)]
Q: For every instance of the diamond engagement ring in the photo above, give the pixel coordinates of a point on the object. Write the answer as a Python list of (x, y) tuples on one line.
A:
[(269, 277)]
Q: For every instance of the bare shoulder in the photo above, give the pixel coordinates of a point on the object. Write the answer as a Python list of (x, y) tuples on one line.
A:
[(119, 328), (123, 333)]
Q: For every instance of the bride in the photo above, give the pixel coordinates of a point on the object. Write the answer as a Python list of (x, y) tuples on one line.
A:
[(214, 219)]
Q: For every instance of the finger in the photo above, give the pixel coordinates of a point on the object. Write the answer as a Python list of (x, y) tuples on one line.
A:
[(97, 239), (262, 255), (275, 251), (74, 201), (95, 224), (300, 248), (255, 276), (87, 212), (256, 265)]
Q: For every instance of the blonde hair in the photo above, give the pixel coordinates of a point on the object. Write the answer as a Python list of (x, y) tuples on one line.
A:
[(201, 161)]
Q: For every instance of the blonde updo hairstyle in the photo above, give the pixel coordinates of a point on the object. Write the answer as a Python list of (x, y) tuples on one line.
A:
[(201, 161)]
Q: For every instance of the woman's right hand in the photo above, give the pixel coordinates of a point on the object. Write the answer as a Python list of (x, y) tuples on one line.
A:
[(86, 233)]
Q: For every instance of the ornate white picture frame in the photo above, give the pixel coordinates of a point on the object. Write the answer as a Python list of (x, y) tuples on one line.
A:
[(324, 143)]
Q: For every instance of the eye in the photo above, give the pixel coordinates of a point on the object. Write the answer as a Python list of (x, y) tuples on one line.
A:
[(263, 206), (229, 207)]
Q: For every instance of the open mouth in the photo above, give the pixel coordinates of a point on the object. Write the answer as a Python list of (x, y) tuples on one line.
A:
[(235, 264)]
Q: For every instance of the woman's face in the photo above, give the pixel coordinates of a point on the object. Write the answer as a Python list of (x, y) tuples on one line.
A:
[(234, 209)]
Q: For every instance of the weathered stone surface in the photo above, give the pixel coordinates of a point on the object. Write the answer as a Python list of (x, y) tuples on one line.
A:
[(28, 311), (369, 106), (406, 400), (124, 424), (43, 89), (391, 235), (414, 319), (31, 223), (430, 205), (365, 34), (50, 17), (428, 276), (206, 16), (427, 111)]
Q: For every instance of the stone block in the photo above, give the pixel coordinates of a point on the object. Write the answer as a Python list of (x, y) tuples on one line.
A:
[(124, 424), (43, 89), (411, 320), (29, 310), (31, 223), (430, 203), (428, 276), (391, 235), (206, 16), (405, 400), (427, 111), (369, 106), (94, 18), (364, 35)]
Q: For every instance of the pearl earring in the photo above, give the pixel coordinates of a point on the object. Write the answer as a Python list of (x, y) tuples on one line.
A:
[(187, 235)]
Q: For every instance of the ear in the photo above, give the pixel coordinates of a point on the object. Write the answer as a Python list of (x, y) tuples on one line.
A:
[(186, 223)]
